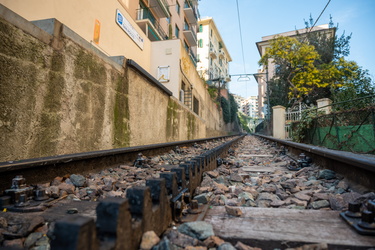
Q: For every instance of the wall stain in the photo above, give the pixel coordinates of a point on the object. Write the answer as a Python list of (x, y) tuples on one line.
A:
[(121, 114), (172, 120)]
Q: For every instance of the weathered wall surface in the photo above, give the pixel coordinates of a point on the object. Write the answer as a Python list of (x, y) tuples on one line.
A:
[(58, 97)]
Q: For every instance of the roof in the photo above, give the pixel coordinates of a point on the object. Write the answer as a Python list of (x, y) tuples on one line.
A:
[(266, 39), (210, 21)]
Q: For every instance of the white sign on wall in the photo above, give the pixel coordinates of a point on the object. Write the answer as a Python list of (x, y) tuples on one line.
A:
[(129, 29), (163, 73)]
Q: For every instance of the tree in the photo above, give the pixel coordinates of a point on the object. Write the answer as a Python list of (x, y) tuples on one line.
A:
[(358, 85), (244, 120), (304, 76), (311, 66), (229, 108)]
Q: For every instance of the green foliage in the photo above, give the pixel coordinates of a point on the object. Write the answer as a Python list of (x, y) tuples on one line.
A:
[(311, 66), (359, 85), (233, 108), (278, 92), (330, 47), (229, 108), (304, 76), (244, 119), (213, 92), (225, 106), (299, 129)]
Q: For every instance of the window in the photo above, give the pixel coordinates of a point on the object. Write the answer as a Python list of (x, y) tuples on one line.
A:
[(200, 28), (178, 7), (168, 20), (195, 105), (182, 92), (177, 32), (186, 25), (200, 43), (142, 5), (210, 32)]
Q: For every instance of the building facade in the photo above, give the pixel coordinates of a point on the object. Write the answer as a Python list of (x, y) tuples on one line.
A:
[(159, 35), (249, 106), (213, 56), (238, 100), (267, 73)]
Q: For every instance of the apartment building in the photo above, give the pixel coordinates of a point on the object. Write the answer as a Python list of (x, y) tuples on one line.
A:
[(159, 35), (268, 73), (238, 99), (249, 106), (213, 56)]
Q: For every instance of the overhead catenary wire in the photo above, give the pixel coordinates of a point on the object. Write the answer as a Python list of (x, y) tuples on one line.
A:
[(239, 25), (321, 13)]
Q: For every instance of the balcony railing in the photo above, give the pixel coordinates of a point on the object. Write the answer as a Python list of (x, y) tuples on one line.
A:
[(213, 52), (190, 11), (161, 8), (145, 14), (190, 35), (221, 53), (193, 57)]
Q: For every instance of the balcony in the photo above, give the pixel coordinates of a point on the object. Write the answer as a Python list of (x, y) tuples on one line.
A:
[(190, 36), (147, 22), (160, 7), (190, 12), (213, 53), (221, 53), (193, 57)]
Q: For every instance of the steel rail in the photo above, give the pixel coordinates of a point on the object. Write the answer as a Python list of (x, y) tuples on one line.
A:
[(51, 160), (357, 167), (85, 161), (120, 223)]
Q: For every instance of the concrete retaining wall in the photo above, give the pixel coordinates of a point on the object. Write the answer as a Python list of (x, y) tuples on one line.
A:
[(60, 95)]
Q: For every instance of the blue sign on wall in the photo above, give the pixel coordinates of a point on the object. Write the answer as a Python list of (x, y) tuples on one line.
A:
[(129, 29)]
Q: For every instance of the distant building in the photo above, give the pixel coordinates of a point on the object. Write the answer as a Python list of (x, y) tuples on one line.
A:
[(248, 106), (266, 74), (238, 100), (213, 56)]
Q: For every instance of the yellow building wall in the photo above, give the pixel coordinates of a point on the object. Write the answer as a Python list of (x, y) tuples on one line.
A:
[(80, 16)]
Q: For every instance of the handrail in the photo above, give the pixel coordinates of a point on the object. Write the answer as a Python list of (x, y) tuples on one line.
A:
[(145, 13), (189, 5), (192, 31)]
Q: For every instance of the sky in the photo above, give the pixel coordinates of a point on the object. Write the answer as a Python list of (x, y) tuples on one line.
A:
[(260, 18)]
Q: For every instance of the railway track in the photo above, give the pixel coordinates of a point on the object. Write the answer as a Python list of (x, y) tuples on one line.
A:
[(166, 188), (356, 167), (150, 205)]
